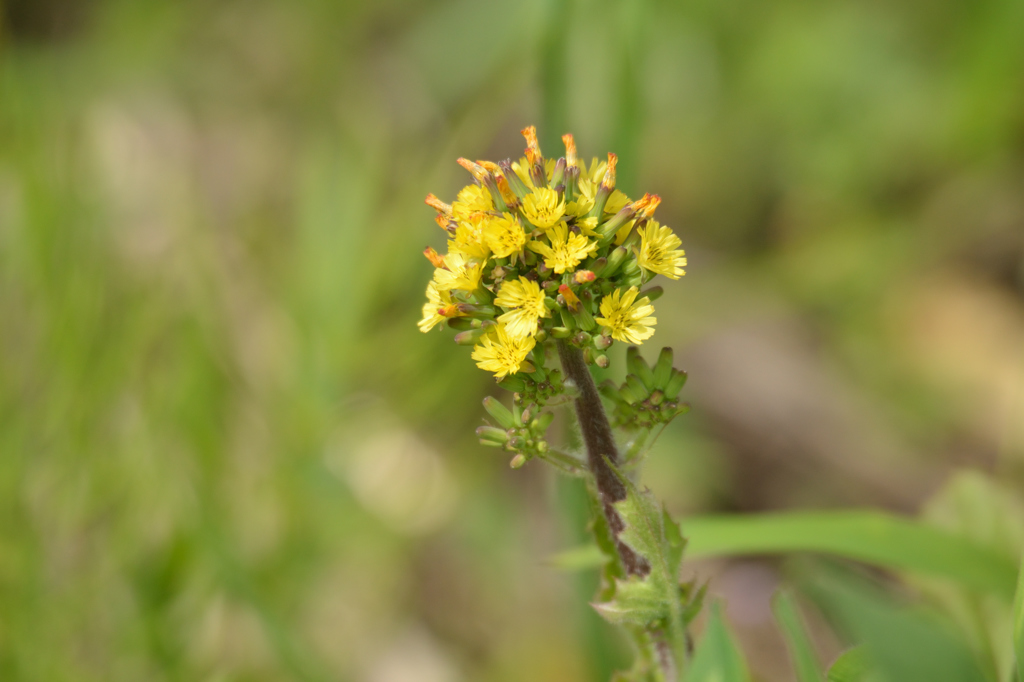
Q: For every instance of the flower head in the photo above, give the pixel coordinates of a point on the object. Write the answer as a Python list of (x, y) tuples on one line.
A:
[(503, 353), (660, 252), (627, 320), (504, 235), (524, 301), (537, 235), (472, 199), (543, 208), (436, 300), (566, 249), (459, 272)]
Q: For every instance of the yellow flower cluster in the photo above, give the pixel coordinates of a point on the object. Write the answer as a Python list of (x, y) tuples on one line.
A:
[(546, 248)]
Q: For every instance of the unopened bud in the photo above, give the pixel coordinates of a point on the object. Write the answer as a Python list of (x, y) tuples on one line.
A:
[(583, 276), (518, 461), (601, 361)]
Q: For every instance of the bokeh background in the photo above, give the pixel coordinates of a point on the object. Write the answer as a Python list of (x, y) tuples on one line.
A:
[(227, 453)]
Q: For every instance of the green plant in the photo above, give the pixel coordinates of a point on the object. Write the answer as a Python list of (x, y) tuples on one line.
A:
[(546, 258)]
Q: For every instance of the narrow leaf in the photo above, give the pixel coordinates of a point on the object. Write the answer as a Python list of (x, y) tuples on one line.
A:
[(801, 650), (851, 666), (1018, 623), (718, 659), (869, 536), (906, 644)]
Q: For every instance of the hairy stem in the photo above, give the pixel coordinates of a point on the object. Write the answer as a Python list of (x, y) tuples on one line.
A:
[(601, 449)]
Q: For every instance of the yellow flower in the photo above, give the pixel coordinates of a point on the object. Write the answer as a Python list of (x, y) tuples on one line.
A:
[(472, 199), (588, 189), (542, 207), (524, 301), (628, 321), (502, 353), (616, 202), (566, 250), (580, 206), (436, 299), (504, 235), (469, 238), (459, 272), (623, 232), (588, 226), (660, 252)]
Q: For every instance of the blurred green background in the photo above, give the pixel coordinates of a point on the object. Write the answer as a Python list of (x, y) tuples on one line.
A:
[(227, 453)]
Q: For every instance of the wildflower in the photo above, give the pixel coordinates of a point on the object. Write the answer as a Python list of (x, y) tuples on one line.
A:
[(659, 251), (502, 353), (436, 301), (472, 199), (504, 235), (588, 226), (543, 208), (626, 318), (524, 301), (458, 272), (469, 238), (565, 251)]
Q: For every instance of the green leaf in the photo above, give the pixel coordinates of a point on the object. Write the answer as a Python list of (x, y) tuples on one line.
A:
[(805, 662), (906, 644), (869, 536), (718, 659), (637, 601), (1018, 623), (851, 666), (654, 599)]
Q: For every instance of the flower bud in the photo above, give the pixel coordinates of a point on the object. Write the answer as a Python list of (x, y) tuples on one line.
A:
[(500, 413)]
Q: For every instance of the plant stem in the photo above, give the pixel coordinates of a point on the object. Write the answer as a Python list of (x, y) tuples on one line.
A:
[(601, 450)]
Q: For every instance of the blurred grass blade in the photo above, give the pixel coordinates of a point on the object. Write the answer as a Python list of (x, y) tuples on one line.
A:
[(851, 666), (1018, 623), (869, 536), (718, 659), (805, 662), (579, 558), (905, 644)]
